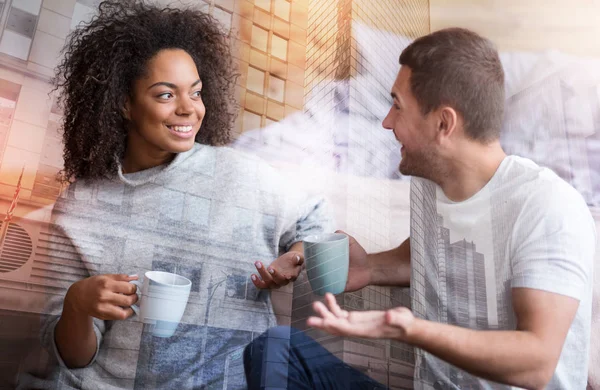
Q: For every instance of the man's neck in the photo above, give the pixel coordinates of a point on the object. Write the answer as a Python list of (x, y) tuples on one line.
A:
[(470, 171)]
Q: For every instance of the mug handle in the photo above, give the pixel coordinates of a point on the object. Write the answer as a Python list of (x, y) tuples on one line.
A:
[(136, 306)]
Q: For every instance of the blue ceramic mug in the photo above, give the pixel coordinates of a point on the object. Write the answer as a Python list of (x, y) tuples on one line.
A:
[(327, 261)]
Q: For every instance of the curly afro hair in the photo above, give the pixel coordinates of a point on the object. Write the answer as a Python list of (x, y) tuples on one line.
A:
[(103, 59)]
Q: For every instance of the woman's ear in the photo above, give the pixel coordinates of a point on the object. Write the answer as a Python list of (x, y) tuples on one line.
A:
[(126, 109)]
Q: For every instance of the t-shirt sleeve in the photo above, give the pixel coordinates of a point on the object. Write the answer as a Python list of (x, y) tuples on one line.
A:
[(555, 238)]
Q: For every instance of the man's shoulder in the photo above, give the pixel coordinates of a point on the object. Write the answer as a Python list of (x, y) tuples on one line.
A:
[(541, 198), (538, 186)]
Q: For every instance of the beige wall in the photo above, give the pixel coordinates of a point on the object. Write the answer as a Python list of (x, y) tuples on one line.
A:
[(572, 26)]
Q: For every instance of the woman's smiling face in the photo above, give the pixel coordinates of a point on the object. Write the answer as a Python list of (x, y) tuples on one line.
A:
[(165, 110)]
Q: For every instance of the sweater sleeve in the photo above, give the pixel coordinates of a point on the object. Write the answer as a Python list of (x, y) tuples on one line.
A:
[(312, 216), (59, 248), (49, 342)]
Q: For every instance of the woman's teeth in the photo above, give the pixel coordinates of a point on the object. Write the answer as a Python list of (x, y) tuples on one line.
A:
[(181, 129)]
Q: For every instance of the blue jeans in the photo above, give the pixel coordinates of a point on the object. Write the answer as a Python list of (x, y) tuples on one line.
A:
[(285, 358)]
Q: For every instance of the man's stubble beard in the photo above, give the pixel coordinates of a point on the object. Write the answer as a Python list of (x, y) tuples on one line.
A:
[(422, 164)]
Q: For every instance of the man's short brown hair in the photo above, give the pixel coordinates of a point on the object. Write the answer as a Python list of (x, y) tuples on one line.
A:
[(459, 68)]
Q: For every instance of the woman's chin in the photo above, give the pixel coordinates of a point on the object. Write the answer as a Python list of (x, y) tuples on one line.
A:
[(181, 147)]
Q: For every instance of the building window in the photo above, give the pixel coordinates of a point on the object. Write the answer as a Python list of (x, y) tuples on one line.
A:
[(255, 81), (21, 18), (264, 4), (251, 121), (279, 47), (224, 17), (282, 9), (276, 88), (260, 38)]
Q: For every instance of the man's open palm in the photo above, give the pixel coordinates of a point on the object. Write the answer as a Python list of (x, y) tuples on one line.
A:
[(391, 324)]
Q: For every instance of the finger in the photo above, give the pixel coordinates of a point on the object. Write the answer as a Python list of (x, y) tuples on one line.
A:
[(112, 312), (350, 238), (123, 277), (323, 311), (264, 274), (122, 313), (335, 309), (397, 317), (278, 278), (315, 322), (124, 288), (258, 282), (288, 265), (332, 326), (122, 300), (297, 258)]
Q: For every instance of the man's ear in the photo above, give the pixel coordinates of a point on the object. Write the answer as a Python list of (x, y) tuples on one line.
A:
[(448, 120)]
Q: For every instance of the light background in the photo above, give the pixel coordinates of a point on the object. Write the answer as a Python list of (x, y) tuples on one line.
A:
[(292, 56)]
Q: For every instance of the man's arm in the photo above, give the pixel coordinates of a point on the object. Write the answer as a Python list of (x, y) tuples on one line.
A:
[(525, 357), (391, 268)]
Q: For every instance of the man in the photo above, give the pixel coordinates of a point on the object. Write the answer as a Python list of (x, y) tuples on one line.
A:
[(500, 256)]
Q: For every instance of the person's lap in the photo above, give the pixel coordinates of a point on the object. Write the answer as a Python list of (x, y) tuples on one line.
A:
[(285, 358)]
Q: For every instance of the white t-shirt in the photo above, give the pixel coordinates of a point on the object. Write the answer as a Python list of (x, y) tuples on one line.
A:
[(525, 228)]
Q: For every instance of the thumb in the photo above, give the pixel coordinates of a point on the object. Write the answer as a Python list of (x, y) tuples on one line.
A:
[(296, 258), (343, 232), (398, 317), (123, 277)]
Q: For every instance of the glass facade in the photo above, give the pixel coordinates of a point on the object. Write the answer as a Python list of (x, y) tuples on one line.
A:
[(351, 63)]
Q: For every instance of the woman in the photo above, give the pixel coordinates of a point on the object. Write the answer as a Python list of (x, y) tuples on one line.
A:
[(147, 97)]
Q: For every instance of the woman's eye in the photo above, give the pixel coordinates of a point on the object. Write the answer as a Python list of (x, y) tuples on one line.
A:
[(165, 96), (197, 93)]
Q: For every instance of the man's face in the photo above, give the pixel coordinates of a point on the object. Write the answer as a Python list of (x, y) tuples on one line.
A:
[(414, 131)]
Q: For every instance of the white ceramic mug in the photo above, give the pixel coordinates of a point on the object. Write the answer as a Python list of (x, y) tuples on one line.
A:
[(162, 301)]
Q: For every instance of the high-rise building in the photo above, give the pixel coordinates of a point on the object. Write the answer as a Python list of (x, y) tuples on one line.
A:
[(353, 48), (466, 261), (270, 38), (276, 44), (270, 48)]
